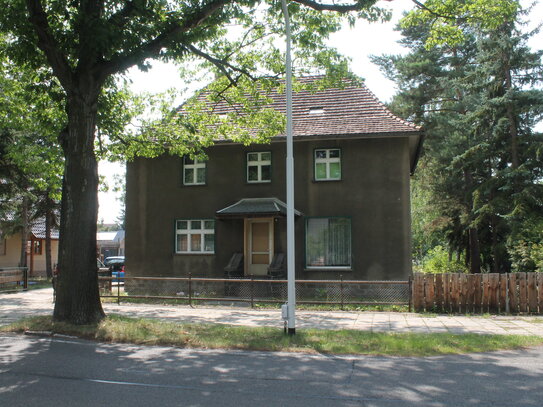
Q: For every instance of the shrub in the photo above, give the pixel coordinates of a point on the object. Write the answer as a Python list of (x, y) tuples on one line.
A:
[(438, 261), (526, 256)]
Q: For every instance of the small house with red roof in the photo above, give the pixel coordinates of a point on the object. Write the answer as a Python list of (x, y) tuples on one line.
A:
[(227, 215)]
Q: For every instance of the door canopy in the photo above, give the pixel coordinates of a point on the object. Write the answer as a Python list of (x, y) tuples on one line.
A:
[(255, 207)]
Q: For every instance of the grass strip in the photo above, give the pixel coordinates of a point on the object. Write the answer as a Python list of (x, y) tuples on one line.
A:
[(258, 305), (117, 329)]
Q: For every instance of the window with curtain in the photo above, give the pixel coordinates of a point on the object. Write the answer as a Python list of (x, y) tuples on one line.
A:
[(328, 242)]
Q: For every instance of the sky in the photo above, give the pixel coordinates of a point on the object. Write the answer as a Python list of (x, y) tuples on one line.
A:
[(358, 43)]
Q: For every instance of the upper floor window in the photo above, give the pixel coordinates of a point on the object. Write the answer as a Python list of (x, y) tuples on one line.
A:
[(327, 164), (194, 171), (259, 167), (195, 236)]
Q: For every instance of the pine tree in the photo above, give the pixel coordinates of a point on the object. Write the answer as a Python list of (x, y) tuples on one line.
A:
[(478, 103)]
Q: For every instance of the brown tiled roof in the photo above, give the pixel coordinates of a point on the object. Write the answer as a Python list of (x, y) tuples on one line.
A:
[(353, 110)]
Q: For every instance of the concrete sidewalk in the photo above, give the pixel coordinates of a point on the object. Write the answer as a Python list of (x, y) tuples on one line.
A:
[(38, 302)]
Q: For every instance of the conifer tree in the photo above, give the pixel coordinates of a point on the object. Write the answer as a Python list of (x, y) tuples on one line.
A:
[(478, 101)]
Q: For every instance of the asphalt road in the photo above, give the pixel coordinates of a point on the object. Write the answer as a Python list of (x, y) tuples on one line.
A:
[(68, 372)]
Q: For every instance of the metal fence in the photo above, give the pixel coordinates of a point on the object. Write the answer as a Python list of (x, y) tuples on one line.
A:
[(256, 290)]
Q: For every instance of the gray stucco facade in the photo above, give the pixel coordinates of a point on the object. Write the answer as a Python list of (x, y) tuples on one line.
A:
[(373, 193)]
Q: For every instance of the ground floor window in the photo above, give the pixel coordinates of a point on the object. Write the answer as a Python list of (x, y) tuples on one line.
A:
[(328, 242), (195, 236), (37, 247)]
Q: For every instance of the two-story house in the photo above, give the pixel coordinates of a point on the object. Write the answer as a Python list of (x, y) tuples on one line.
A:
[(353, 160)]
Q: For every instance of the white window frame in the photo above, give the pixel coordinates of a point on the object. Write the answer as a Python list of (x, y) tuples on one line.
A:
[(196, 166), (194, 233), (327, 161), (259, 164)]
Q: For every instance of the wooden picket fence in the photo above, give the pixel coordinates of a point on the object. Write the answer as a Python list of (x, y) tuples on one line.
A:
[(479, 293)]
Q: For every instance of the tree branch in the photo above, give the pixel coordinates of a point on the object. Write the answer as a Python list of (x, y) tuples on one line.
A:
[(340, 8), (48, 44), (153, 47), (220, 63), (86, 29), (120, 18), (432, 12)]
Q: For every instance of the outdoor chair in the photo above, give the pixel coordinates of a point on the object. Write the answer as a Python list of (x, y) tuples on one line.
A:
[(234, 268), (277, 271), (277, 267)]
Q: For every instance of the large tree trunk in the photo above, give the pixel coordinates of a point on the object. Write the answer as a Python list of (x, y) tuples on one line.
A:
[(474, 251), (78, 299)]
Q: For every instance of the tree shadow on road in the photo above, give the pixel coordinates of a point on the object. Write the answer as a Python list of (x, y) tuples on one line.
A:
[(59, 372)]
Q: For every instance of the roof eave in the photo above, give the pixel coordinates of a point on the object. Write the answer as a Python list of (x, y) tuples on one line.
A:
[(418, 153)]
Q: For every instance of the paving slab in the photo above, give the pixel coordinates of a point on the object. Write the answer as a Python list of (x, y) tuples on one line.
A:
[(14, 306)]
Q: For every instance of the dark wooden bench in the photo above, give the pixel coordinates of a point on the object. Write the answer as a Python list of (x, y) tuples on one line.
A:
[(13, 275)]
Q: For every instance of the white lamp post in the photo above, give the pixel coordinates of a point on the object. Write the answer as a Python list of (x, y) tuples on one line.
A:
[(291, 287)]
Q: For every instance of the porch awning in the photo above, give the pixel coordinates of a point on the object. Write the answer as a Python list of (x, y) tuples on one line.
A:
[(255, 207)]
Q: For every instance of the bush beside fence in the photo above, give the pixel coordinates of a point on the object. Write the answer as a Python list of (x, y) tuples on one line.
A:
[(479, 293)]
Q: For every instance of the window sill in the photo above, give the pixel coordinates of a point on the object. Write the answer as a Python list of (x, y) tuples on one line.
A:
[(326, 180), (324, 268), (194, 254)]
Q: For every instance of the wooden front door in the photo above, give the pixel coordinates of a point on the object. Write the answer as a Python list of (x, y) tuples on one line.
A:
[(258, 246)]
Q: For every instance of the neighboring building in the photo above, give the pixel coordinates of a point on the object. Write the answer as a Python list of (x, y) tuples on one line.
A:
[(10, 249), (353, 161), (110, 244)]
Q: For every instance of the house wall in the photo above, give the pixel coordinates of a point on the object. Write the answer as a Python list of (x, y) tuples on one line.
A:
[(39, 267), (374, 192), (13, 254)]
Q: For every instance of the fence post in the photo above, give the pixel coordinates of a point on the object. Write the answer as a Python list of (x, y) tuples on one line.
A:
[(410, 285), (25, 278), (507, 306), (252, 291), (119, 288), (341, 289), (190, 290)]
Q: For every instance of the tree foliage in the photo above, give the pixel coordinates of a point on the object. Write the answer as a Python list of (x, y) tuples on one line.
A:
[(479, 101)]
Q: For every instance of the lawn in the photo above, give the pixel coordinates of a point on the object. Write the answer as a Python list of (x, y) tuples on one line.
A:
[(119, 329)]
